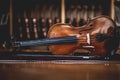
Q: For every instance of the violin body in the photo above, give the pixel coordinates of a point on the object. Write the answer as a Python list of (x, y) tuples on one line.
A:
[(86, 37)]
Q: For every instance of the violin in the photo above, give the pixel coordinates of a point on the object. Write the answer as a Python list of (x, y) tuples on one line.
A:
[(97, 37), (89, 37)]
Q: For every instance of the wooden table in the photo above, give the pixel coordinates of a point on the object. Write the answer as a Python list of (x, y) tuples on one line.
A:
[(59, 70)]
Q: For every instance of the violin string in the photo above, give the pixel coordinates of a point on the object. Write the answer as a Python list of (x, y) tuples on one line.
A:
[(83, 40)]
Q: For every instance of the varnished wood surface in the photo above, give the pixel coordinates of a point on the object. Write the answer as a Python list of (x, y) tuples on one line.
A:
[(59, 70)]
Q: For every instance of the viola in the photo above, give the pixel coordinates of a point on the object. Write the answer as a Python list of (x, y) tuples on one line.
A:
[(97, 37)]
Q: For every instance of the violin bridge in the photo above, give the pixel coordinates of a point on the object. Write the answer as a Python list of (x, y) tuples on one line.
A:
[(88, 38), (88, 46)]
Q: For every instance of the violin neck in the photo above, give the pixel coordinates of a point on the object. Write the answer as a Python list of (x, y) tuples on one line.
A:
[(49, 41), (56, 41)]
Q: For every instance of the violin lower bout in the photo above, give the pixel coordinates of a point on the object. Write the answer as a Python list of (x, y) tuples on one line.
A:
[(96, 49)]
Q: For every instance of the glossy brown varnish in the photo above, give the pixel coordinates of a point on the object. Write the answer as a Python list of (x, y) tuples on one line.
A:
[(98, 25)]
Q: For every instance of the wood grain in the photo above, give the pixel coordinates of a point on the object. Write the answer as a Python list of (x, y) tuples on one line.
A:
[(59, 70)]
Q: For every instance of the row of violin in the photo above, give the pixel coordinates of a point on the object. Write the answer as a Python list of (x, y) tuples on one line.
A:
[(33, 28)]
